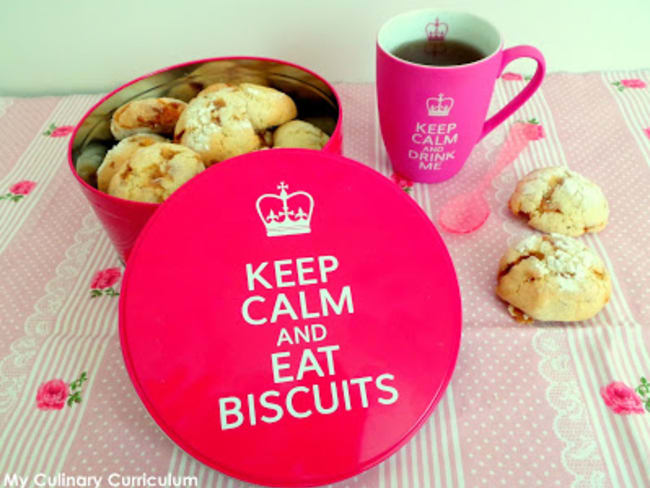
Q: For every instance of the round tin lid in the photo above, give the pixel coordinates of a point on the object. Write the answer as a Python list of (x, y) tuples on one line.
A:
[(290, 317)]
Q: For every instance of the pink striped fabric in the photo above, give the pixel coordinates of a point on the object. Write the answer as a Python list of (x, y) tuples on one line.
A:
[(524, 407)]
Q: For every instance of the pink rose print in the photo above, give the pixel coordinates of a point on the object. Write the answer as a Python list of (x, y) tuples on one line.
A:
[(633, 83), (404, 183), (509, 76), (533, 130), (64, 130), (22, 187), (103, 281), (629, 83), (106, 278), (647, 132), (54, 131), (54, 394), (621, 399), (18, 190)]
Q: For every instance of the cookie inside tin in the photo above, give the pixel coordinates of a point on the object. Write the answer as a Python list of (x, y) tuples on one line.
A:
[(316, 102)]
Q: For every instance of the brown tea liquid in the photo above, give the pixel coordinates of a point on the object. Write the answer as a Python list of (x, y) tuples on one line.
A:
[(438, 53)]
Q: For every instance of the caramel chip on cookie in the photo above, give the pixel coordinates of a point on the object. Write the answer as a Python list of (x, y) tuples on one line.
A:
[(553, 278), (147, 115), (154, 172), (559, 200)]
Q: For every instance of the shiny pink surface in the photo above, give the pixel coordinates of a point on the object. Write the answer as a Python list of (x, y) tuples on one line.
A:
[(123, 219), (428, 148), (187, 342)]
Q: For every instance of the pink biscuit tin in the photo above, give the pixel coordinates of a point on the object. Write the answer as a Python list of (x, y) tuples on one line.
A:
[(316, 99), (300, 322)]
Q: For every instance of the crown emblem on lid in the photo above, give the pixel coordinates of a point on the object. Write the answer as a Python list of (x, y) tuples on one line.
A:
[(439, 106), (436, 31), (284, 214)]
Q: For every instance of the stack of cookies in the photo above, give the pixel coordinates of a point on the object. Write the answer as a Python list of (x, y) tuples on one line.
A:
[(555, 277), (164, 142)]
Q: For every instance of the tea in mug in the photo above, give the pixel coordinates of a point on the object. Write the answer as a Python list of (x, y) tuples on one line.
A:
[(438, 53)]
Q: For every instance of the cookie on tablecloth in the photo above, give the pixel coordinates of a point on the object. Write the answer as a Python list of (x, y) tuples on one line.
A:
[(559, 200), (553, 278), (154, 172), (147, 115)]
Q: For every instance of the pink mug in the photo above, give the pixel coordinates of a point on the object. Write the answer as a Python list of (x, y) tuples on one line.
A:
[(432, 116)]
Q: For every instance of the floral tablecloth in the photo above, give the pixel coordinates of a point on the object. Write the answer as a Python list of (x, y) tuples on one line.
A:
[(528, 405)]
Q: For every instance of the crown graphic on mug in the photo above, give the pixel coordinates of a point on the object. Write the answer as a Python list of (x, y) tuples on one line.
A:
[(436, 31), (439, 106), (289, 218)]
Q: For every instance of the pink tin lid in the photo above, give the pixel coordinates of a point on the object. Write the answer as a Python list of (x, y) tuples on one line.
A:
[(290, 317)]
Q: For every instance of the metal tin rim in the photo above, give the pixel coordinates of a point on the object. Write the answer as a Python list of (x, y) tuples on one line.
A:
[(71, 164)]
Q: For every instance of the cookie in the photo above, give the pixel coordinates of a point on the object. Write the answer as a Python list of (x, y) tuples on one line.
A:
[(154, 172), (553, 278), (216, 126), (226, 120), (297, 133), (559, 200), (118, 156), (147, 115), (215, 87), (325, 123), (265, 107)]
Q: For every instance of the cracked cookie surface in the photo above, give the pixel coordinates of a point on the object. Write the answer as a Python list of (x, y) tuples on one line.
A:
[(119, 155), (559, 200), (224, 120), (154, 172), (553, 278)]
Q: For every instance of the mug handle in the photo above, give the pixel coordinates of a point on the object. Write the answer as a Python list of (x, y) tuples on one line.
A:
[(510, 55)]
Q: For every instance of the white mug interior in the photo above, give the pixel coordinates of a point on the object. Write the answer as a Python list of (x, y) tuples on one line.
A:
[(461, 26)]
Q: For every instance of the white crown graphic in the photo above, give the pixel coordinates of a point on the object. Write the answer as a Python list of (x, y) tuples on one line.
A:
[(439, 106), (289, 220)]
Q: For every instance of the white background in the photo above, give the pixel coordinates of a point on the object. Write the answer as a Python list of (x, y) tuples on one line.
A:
[(89, 46)]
